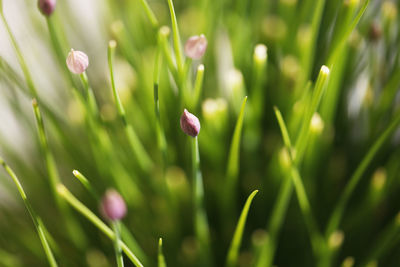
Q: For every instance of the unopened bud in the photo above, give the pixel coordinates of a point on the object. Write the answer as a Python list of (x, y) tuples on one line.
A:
[(260, 53), (372, 264), (190, 124), (375, 31), (348, 262), (196, 46), (336, 239), (317, 124), (113, 206), (284, 158), (47, 6), (77, 61), (379, 179), (389, 10)]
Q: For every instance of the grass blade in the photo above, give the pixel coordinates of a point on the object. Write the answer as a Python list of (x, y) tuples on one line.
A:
[(233, 159), (161, 141), (74, 231), (126, 235), (198, 86), (177, 40), (320, 85), (161, 259), (339, 209), (316, 237), (201, 222), (35, 218), (141, 155), (233, 251), (82, 209), (20, 57)]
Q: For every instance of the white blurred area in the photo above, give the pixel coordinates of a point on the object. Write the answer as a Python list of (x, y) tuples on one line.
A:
[(85, 23)]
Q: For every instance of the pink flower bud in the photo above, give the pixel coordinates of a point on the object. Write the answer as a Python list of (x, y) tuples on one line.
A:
[(196, 46), (77, 61), (190, 124), (47, 6), (112, 205)]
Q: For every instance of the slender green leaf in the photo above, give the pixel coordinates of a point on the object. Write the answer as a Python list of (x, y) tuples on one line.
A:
[(233, 251), (35, 218)]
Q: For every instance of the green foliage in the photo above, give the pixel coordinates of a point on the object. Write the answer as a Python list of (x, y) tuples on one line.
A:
[(325, 164)]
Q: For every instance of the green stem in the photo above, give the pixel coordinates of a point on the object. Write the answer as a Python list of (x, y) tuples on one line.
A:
[(82, 209), (232, 257), (35, 218), (126, 235), (339, 209), (198, 86), (161, 141), (177, 39), (73, 228), (117, 247), (161, 258), (21, 59), (59, 50), (201, 222), (149, 13), (140, 153), (317, 239), (85, 182), (301, 142), (232, 170)]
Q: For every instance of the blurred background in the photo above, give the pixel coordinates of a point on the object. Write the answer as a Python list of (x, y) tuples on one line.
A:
[(359, 103)]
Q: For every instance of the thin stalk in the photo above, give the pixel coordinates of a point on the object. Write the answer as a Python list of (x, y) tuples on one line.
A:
[(198, 86), (126, 235), (268, 249), (232, 256), (82, 209), (232, 172), (89, 95), (161, 141), (117, 247), (260, 58), (301, 142), (139, 151), (58, 49), (21, 60), (163, 35), (346, 33), (308, 54), (150, 14), (201, 223), (161, 258), (85, 182), (73, 228), (35, 218), (317, 239), (385, 241), (177, 39), (340, 207)]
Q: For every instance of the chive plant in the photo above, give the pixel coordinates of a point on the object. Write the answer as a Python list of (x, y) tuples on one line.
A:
[(298, 104)]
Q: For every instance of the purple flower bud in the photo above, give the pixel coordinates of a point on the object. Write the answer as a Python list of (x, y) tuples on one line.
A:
[(47, 6), (77, 61), (196, 46), (112, 205), (190, 124)]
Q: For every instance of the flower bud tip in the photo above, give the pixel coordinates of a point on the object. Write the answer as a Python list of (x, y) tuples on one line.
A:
[(190, 124), (325, 70), (196, 46), (47, 6), (112, 44), (77, 61), (113, 206)]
